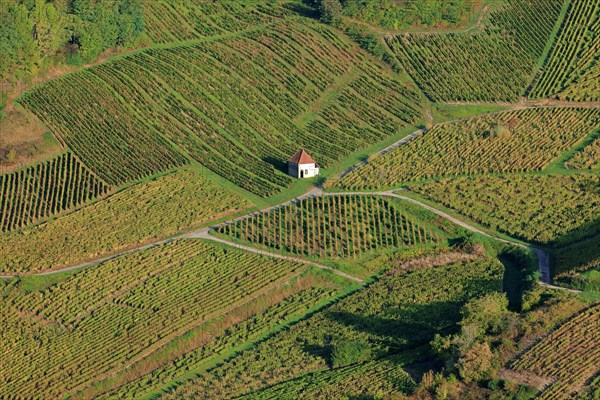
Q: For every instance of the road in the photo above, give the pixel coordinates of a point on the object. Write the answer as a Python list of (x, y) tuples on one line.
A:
[(204, 233)]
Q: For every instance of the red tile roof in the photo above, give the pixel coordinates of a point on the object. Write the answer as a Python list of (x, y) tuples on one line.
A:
[(302, 157)]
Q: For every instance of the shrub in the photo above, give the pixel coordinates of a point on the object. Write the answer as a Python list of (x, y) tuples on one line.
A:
[(349, 352)]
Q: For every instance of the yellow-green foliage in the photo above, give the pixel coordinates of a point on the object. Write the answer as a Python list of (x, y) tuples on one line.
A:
[(396, 313), (586, 158), (539, 208), (334, 226), (72, 334), (135, 215), (574, 56), (524, 140), (570, 354)]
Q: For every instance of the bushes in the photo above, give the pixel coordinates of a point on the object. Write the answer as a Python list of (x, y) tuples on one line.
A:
[(349, 352)]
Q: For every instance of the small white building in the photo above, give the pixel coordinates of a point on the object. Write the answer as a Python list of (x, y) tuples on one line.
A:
[(302, 165)]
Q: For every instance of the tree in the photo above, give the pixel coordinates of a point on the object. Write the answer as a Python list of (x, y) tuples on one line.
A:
[(476, 363), (349, 352), (485, 314), (331, 11)]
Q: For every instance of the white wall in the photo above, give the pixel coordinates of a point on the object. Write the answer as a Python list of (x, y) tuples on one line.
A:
[(310, 170)]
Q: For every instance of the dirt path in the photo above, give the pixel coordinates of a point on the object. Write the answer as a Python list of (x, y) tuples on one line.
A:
[(205, 234), (543, 258)]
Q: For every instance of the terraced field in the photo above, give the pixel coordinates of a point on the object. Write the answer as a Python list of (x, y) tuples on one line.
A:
[(131, 217), (334, 226), (217, 340), (239, 106), (586, 158), (381, 377), (398, 312), (569, 355), (46, 189), (70, 335), (168, 21), (574, 55), (578, 257), (495, 63), (514, 141), (537, 208)]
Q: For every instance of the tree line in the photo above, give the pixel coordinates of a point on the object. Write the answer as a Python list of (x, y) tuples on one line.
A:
[(397, 14), (36, 33)]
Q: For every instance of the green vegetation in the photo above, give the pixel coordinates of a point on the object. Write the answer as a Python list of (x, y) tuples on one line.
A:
[(117, 149), (524, 140), (401, 311), (212, 342), (585, 86), (379, 378), (577, 257), (394, 14), (34, 33), (536, 208), (72, 334), (131, 217), (240, 107), (588, 157), (168, 21), (490, 64), (334, 227), (569, 354), (40, 191), (574, 52)]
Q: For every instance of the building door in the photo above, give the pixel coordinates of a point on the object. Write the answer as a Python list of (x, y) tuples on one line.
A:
[(301, 173)]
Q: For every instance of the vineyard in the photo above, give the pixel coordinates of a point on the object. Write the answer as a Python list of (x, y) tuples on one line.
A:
[(514, 141), (71, 334), (574, 52), (397, 313), (46, 189), (239, 106), (569, 355), (196, 19), (586, 158), (492, 64), (230, 338), (135, 215), (536, 208), (585, 87), (333, 226), (578, 257), (379, 378), (116, 148)]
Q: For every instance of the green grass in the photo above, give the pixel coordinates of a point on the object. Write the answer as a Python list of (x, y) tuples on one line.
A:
[(449, 112), (558, 166)]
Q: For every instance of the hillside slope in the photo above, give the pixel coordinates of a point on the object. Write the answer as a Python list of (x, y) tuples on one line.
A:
[(240, 106)]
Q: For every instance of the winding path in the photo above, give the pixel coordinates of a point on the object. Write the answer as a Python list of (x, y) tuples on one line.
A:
[(204, 233)]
